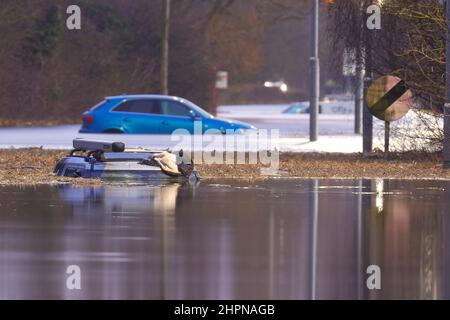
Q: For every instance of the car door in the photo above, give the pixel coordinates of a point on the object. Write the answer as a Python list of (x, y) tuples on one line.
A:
[(176, 116), (140, 116)]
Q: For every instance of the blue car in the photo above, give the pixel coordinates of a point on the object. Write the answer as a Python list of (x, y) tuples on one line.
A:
[(153, 114)]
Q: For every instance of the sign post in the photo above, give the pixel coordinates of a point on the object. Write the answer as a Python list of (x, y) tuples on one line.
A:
[(387, 133), (367, 122)]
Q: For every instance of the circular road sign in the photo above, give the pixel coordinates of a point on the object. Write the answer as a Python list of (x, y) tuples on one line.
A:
[(388, 98)]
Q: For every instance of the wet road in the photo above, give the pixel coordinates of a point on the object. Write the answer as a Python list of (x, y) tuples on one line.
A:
[(277, 239), (61, 137), (288, 127)]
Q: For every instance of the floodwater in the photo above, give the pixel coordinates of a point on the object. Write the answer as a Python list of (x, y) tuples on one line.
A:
[(222, 239), (291, 132)]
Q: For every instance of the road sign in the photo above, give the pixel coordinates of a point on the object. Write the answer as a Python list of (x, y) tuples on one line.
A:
[(222, 80), (388, 98)]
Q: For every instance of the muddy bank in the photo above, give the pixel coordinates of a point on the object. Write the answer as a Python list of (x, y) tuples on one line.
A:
[(34, 166)]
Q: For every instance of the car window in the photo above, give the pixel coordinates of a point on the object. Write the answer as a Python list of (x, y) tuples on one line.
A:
[(139, 106), (174, 108), (197, 109), (98, 105)]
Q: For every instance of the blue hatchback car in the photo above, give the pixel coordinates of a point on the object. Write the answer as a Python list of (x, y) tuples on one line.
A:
[(153, 114)]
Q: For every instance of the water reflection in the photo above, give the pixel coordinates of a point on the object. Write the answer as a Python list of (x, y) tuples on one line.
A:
[(292, 239)]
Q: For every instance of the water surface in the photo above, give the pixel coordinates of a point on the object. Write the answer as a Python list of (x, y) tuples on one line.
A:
[(222, 239)]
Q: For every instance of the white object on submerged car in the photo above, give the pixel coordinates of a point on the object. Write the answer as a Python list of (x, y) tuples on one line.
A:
[(104, 159)]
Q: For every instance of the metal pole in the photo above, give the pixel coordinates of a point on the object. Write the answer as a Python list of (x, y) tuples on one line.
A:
[(367, 122), (360, 71), (359, 94), (314, 73), (214, 102), (447, 95), (387, 133), (367, 116), (165, 47)]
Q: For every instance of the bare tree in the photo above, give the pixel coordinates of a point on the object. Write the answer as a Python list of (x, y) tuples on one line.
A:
[(409, 45)]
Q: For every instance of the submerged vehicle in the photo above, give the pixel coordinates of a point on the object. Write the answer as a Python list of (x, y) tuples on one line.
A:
[(104, 159)]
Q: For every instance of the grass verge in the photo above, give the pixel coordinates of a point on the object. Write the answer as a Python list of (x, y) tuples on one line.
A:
[(35, 166)]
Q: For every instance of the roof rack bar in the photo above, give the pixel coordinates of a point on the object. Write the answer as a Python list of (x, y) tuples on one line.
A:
[(98, 145)]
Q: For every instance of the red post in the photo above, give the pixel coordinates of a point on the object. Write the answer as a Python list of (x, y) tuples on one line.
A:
[(213, 109)]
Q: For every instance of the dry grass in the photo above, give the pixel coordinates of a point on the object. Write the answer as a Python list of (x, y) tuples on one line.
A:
[(342, 166), (35, 166), (399, 166)]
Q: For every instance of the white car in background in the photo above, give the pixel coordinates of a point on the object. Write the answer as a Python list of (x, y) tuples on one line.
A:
[(329, 105)]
